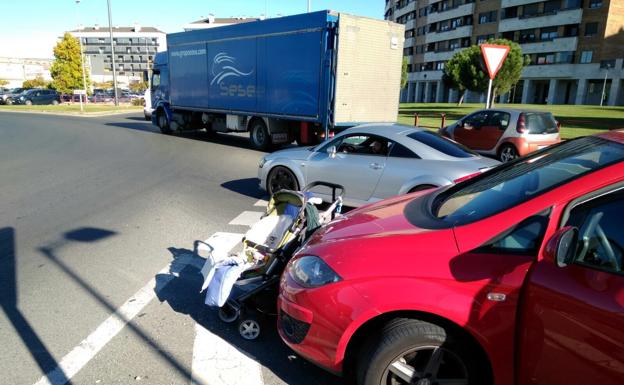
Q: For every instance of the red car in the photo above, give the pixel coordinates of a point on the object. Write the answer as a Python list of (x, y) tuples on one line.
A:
[(512, 277)]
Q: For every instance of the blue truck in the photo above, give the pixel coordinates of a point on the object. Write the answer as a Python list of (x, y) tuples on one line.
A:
[(290, 78)]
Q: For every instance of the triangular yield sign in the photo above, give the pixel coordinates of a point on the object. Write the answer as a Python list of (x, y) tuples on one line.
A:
[(494, 56)]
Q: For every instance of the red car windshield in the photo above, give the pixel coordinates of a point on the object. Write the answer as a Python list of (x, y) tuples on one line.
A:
[(517, 182)]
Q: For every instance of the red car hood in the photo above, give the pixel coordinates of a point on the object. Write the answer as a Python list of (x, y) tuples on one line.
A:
[(378, 240)]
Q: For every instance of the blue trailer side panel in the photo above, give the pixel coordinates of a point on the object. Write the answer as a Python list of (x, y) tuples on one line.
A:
[(187, 68), (273, 67)]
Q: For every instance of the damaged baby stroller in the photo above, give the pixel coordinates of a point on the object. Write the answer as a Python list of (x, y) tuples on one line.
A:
[(291, 217)]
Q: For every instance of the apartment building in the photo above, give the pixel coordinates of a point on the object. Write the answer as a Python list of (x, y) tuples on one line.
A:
[(573, 46), (214, 22), (135, 48)]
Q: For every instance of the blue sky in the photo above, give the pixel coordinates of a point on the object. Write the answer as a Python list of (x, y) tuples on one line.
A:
[(30, 28)]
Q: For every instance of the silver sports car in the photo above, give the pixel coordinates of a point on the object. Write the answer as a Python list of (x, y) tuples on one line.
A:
[(373, 162)]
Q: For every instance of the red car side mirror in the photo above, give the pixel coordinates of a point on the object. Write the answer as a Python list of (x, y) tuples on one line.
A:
[(561, 247)]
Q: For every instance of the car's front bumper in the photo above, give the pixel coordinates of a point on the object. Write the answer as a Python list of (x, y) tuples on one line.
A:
[(314, 321)]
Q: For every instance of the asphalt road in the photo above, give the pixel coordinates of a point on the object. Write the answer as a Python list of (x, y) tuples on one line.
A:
[(91, 211)]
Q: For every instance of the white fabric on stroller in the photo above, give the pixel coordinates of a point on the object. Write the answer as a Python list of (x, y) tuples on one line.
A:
[(221, 279)]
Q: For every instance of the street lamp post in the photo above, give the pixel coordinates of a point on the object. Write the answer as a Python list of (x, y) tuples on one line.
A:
[(604, 86), (110, 31), (309, 5), (82, 64)]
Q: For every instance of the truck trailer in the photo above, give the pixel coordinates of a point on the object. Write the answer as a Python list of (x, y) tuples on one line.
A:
[(289, 78)]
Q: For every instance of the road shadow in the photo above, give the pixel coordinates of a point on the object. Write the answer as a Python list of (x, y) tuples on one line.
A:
[(247, 186), (9, 304), (182, 293), (51, 251), (239, 140)]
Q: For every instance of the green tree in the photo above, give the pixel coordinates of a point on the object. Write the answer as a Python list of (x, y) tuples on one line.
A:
[(138, 86), (404, 73), (37, 82), (3, 82), (66, 70), (466, 69)]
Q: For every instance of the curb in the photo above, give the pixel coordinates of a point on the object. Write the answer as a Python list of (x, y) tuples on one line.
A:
[(76, 114)]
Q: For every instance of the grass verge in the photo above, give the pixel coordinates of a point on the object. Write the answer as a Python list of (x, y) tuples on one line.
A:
[(575, 120)]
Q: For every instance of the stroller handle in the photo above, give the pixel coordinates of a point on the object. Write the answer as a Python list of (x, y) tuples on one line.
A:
[(332, 186)]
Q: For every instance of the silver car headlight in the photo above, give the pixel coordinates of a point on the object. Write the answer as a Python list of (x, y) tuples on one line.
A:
[(311, 271), (262, 162)]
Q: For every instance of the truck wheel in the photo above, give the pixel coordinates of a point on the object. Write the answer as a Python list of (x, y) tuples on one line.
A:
[(163, 123), (281, 178), (409, 351), (259, 135)]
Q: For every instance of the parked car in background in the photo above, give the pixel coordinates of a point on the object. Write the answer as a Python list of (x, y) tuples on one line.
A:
[(505, 133), (515, 276), (37, 96), (147, 105), (7, 98), (100, 95), (373, 162)]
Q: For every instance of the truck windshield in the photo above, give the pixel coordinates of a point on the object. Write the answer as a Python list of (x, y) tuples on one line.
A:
[(512, 184)]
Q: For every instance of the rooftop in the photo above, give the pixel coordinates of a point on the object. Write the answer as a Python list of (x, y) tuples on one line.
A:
[(135, 28)]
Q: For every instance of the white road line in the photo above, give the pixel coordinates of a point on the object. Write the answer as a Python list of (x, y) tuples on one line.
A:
[(261, 203), (75, 360), (215, 361), (247, 218)]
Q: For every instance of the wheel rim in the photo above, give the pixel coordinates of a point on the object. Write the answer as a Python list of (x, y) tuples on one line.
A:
[(249, 329), (227, 314), (258, 134), (508, 154), (162, 121), (426, 365), (282, 179)]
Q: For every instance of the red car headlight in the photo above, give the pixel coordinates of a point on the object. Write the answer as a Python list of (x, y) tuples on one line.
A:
[(310, 271)]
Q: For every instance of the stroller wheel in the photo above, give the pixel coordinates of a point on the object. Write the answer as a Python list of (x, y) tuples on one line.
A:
[(249, 329), (228, 314)]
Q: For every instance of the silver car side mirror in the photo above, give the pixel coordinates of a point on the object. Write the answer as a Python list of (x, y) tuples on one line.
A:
[(331, 151)]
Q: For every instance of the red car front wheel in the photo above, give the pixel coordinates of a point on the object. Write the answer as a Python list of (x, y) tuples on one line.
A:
[(409, 351)]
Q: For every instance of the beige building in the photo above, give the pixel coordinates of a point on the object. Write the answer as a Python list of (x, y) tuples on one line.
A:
[(17, 70), (573, 45)]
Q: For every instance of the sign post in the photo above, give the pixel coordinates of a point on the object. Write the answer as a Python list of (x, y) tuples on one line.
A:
[(494, 55), (80, 93)]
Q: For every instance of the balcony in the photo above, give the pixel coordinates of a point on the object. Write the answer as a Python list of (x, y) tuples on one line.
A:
[(405, 10), (456, 33), (513, 3), (572, 16), (439, 55), (462, 10), (561, 44), (409, 42)]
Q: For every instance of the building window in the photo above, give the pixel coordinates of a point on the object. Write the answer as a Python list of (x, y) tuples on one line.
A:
[(591, 29), (545, 58), (586, 57), (607, 64), (572, 4), (509, 35), (439, 66), (595, 4), (487, 17), (527, 36), (571, 30), (509, 13), (453, 44), (530, 10), (565, 57), (552, 6), (549, 33), (483, 38)]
